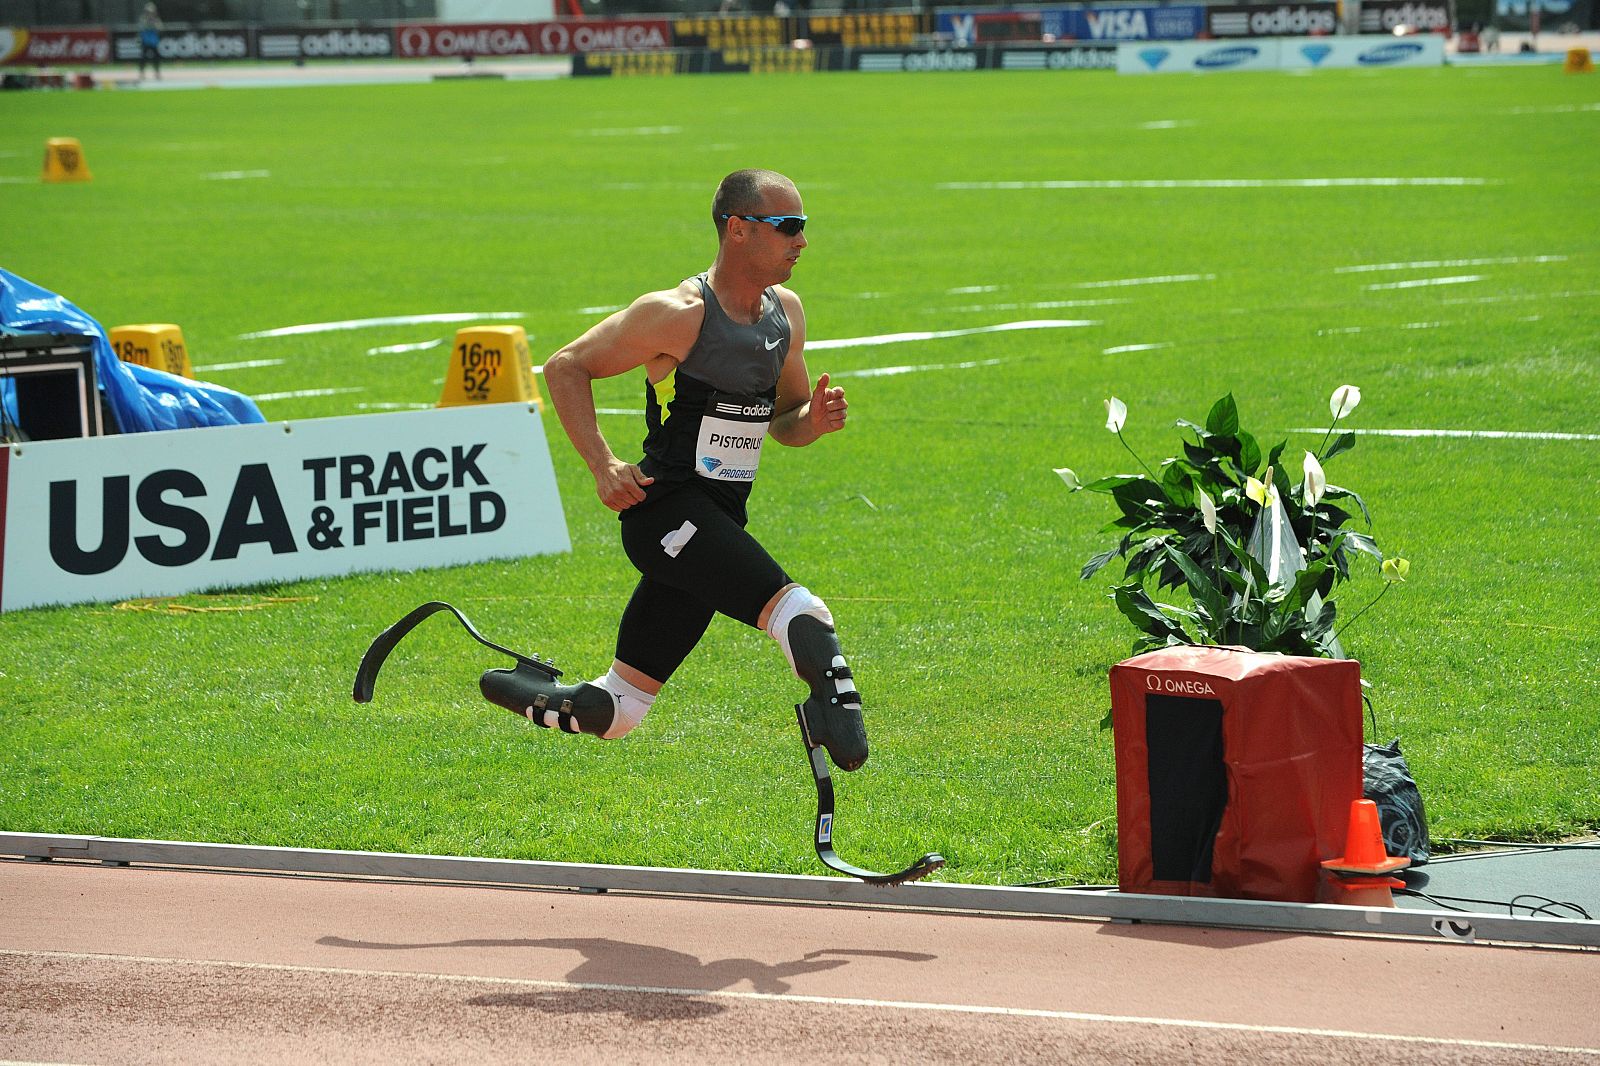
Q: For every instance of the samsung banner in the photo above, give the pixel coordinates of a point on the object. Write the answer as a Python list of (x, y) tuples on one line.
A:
[(1373, 51), (1273, 53), (160, 514)]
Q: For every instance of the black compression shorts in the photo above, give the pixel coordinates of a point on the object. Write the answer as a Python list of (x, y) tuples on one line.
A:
[(718, 568)]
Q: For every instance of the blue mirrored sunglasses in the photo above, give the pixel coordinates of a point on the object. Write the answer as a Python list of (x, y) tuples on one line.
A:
[(788, 225)]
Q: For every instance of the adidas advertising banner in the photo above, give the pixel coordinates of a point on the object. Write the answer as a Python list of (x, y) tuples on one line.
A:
[(161, 514), (1198, 57), (1141, 22), (1383, 16), (327, 42), (1426, 50), (210, 45), (1272, 20)]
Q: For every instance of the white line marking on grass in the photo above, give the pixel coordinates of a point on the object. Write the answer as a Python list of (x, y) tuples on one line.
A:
[(1422, 325), (1167, 124), (791, 997), (1434, 264), (1520, 296), (1417, 283), (392, 320), (235, 175), (245, 365), (1340, 329), (1119, 349), (17, 181), (394, 406), (971, 290), (605, 309), (929, 335), (1219, 183), (619, 410), (1040, 305), (1162, 279), (302, 393), (395, 349), (631, 131), (1552, 109), (892, 371), (1486, 434)]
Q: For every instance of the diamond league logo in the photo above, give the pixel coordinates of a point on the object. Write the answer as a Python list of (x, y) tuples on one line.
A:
[(1316, 53), (710, 462), (1154, 57)]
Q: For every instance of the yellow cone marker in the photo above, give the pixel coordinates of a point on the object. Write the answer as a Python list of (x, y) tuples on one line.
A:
[(63, 160), (1578, 61), (156, 345), (490, 364)]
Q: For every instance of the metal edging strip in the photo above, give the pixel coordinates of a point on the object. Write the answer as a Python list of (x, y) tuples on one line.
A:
[(939, 896)]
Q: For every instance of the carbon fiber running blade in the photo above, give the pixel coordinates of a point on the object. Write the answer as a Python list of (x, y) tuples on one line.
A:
[(372, 661)]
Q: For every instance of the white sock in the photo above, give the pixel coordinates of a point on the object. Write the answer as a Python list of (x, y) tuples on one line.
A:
[(632, 703)]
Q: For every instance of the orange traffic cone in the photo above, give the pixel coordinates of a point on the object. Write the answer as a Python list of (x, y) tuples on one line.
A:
[(1361, 875)]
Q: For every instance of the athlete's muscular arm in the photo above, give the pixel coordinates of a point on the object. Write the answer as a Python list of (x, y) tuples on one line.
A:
[(803, 413), (656, 331)]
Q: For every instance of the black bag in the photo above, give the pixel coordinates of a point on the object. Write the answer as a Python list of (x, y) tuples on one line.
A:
[(1387, 782)]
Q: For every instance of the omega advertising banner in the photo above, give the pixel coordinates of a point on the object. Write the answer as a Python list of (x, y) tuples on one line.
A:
[(432, 40), (161, 514)]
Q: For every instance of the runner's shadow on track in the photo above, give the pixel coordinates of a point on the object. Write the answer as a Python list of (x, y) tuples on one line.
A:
[(620, 963)]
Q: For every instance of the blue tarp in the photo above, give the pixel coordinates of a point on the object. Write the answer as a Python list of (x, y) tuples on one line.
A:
[(142, 399)]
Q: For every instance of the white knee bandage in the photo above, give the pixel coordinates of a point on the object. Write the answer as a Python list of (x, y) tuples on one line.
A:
[(632, 704), (794, 603)]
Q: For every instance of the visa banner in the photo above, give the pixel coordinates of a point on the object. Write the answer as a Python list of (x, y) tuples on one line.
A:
[(1132, 22)]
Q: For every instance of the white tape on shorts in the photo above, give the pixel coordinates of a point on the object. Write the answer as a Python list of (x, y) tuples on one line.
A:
[(673, 542)]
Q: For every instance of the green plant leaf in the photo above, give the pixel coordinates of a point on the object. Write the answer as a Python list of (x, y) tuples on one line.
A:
[(1342, 443), (1277, 450), (1223, 420), (1094, 565), (1363, 543), (1135, 603), (1249, 453), (1199, 430), (1336, 492), (1111, 482)]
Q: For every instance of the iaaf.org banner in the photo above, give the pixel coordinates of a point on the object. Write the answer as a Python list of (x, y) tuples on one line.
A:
[(1375, 50), (160, 514), (430, 40), (42, 47), (209, 45), (1383, 16), (1272, 20)]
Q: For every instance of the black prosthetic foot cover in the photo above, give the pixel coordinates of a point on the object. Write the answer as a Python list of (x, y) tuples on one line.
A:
[(832, 716), (532, 693)]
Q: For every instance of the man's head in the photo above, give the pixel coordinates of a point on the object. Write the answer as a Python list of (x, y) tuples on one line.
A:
[(759, 220)]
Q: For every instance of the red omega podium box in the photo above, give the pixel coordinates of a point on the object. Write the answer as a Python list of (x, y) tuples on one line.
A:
[(1235, 770)]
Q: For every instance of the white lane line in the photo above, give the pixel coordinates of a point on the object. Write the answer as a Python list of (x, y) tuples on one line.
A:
[(1039, 305), (391, 320), (1119, 349), (395, 349), (394, 406), (1218, 183), (245, 365), (1166, 124), (1159, 279), (626, 410), (891, 371), (1522, 296), (631, 131), (1486, 434), (971, 290), (1423, 325), (827, 1001), (1417, 283), (302, 393), (235, 175), (1434, 264), (605, 309), (929, 335), (1340, 329), (1549, 109)]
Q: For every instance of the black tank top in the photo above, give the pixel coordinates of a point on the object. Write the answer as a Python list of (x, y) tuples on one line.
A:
[(707, 419)]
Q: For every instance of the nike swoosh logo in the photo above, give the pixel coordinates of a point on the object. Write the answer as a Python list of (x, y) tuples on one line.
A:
[(773, 343)]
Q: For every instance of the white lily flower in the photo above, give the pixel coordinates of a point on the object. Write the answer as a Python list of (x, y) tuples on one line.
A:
[(1316, 480), (1208, 510), (1344, 400), (1069, 477), (1116, 414)]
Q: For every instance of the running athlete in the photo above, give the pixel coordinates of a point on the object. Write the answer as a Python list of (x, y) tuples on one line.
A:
[(723, 370)]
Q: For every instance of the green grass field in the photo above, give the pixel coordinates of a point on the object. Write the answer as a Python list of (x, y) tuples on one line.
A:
[(933, 526)]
